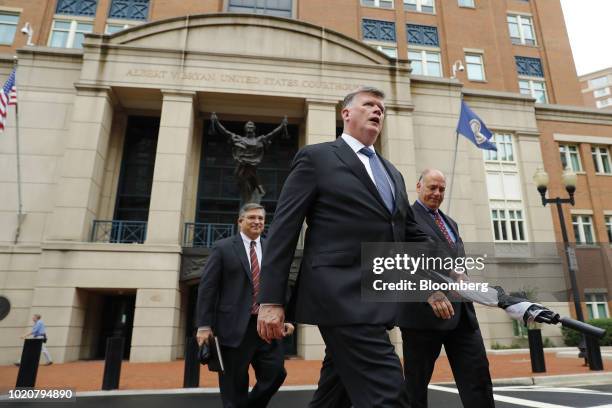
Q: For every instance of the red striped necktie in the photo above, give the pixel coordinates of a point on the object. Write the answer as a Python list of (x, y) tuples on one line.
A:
[(440, 224), (255, 276)]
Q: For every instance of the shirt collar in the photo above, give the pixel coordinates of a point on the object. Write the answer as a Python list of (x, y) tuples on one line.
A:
[(248, 240), (429, 210), (355, 144)]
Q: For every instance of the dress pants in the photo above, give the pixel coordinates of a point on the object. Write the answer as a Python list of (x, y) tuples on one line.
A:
[(268, 363), (361, 359), (467, 357)]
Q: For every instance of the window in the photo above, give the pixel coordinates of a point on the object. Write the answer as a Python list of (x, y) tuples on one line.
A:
[(475, 67), (508, 225), (424, 62), (583, 229), (599, 82), (422, 35), (69, 33), (466, 3), (281, 8), (534, 87), (519, 329), (505, 150), (8, 26), (378, 3), (391, 51), (521, 29), (597, 305), (570, 157), (601, 159), (604, 103), (531, 67), (77, 7), (424, 6), (129, 9), (609, 227), (378, 30), (115, 28), (598, 93)]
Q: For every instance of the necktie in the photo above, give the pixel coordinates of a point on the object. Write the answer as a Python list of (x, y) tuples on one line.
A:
[(440, 223), (255, 276), (380, 179)]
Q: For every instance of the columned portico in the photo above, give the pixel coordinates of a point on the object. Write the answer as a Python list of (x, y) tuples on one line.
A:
[(172, 160), (82, 166)]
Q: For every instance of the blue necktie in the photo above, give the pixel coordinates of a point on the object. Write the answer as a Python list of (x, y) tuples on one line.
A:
[(380, 178)]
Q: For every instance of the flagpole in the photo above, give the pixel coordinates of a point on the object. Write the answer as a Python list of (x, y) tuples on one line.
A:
[(20, 214), (452, 181)]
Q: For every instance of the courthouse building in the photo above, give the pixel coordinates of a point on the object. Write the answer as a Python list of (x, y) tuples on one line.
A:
[(123, 188)]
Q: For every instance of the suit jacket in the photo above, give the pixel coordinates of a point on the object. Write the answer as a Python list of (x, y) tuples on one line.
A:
[(420, 315), (225, 293), (329, 187)]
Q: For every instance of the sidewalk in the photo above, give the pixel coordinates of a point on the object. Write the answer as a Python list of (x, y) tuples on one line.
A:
[(87, 375)]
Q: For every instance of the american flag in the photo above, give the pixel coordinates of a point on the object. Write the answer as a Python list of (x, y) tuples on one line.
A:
[(8, 96)]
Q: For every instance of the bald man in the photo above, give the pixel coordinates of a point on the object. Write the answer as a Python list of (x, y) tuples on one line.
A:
[(428, 325)]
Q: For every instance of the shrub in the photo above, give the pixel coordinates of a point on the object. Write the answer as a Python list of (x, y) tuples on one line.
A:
[(572, 337)]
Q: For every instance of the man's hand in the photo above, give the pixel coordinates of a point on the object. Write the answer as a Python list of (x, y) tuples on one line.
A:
[(441, 306), (203, 335), (270, 322), (288, 329)]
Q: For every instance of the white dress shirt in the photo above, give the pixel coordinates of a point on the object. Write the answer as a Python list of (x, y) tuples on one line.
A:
[(356, 145)]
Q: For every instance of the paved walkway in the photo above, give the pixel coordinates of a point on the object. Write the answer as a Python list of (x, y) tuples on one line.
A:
[(87, 375)]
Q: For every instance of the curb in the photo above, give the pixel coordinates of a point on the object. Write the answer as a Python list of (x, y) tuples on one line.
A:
[(553, 380)]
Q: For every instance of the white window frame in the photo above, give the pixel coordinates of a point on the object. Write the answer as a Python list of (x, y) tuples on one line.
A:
[(72, 31), (12, 14), (509, 217), (480, 65), (532, 91), (504, 143), (598, 82), (598, 93), (591, 302), (566, 151), (386, 47), (377, 4), (579, 223), (601, 158), (419, 6), (608, 220), (424, 61), (462, 3), (603, 103), (522, 21)]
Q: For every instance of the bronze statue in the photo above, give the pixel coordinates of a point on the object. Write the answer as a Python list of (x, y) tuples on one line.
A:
[(248, 151)]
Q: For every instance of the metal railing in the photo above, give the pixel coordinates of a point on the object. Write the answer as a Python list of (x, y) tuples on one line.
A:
[(204, 235), (119, 232)]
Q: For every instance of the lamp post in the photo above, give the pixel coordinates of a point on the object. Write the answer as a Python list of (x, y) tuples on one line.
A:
[(569, 181)]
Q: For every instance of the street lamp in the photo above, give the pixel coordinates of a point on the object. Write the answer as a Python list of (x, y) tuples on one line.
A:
[(569, 181)]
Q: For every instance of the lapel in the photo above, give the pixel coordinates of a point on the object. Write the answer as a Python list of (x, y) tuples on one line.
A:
[(428, 219), (451, 225), (240, 251), (350, 159)]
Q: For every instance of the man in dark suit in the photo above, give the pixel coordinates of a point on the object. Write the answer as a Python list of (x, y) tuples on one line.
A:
[(347, 194), (427, 326), (227, 307)]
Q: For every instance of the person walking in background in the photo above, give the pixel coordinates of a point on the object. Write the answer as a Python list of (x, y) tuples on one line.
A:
[(39, 331)]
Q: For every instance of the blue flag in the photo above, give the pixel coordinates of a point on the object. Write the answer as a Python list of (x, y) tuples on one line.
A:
[(472, 127)]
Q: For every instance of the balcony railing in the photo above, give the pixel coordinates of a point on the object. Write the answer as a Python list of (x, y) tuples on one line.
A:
[(119, 232), (204, 235)]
